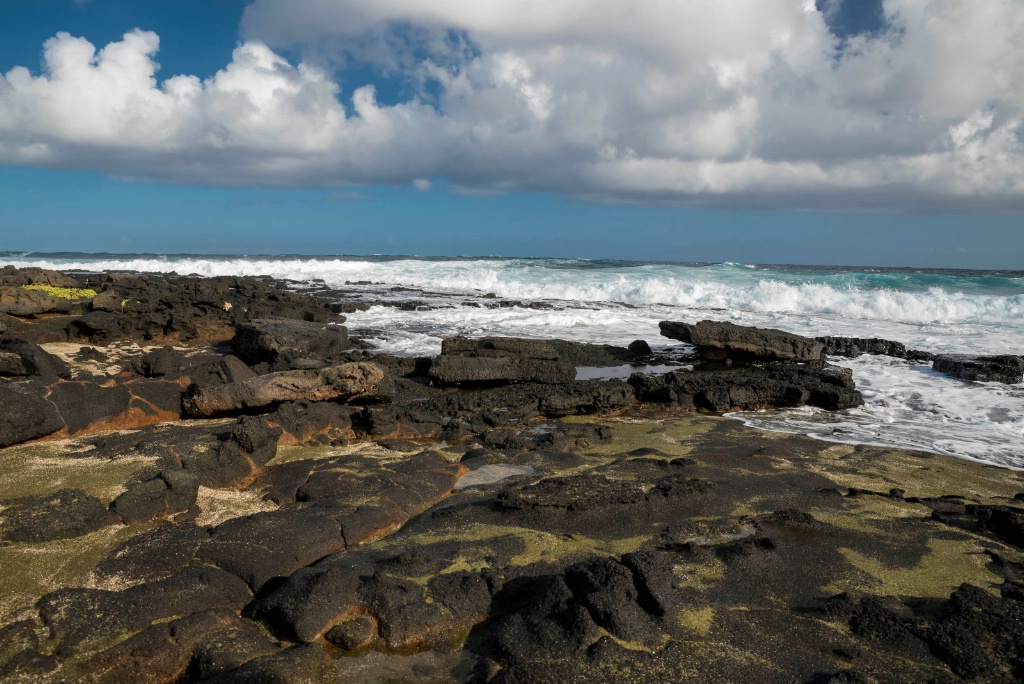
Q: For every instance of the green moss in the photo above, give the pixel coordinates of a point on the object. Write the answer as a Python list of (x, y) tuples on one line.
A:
[(63, 292)]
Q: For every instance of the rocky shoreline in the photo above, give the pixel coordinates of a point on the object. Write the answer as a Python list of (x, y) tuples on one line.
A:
[(210, 480)]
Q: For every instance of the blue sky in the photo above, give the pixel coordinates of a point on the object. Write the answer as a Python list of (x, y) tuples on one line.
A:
[(493, 134)]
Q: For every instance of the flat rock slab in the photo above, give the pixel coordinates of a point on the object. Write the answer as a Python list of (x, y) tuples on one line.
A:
[(294, 343), (460, 369), (342, 382), (719, 340), (500, 359), (499, 347), (776, 385), (1005, 368), (64, 514), (80, 619)]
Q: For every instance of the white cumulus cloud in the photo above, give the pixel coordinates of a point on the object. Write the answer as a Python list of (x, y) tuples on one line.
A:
[(726, 103)]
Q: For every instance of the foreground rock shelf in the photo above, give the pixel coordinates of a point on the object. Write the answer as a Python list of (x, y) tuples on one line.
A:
[(662, 546), (209, 480)]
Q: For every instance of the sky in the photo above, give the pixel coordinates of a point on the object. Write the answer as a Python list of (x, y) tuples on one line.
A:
[(856, 132)]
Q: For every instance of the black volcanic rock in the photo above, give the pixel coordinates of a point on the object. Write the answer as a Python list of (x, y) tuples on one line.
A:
[(500, 360), (65, 514), (290, 343), (852, 347), (21, 357), (172, 490), (718, 340), (26, 414), (774, 385), (1005, 368)]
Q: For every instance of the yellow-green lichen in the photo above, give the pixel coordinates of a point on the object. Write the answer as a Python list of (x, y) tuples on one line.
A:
[(63, 292)]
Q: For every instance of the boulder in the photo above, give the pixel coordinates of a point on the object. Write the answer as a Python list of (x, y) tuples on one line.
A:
[(296, 344), (342, 382), (1004, 368), (159, 362), (595, 355), (79, 620), (21, 357), (716, 341), (25, 414), (171, 491), (458, 369), (233, 369), (302, 664), (499, 347), (237, 460), (500, 360), (9, 275), (775, 385), (640, 348), (18, 301), (852, 347), (65, 514)]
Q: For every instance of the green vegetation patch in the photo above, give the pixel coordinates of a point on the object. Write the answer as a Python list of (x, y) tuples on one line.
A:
[(63, 292)]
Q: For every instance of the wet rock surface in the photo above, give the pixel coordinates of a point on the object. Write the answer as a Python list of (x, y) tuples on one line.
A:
[(603, 531), (716, 341), (1006, 368), (751, 387)]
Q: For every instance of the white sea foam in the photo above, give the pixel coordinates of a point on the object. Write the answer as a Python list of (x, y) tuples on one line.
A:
[(734, 289), (907, 405)]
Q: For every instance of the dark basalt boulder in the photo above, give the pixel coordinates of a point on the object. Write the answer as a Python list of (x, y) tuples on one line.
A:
[(287, 343), (316, 422), (716, 341), (1003, 368), (499, 347), (457, 415), (159, 362), (302, 664), (25, 414), (82, 619), (21, 658), (170, 491), (192, 648), (20, 357), (774, 385), (640, 348), (273, 544), (342, 382), (552, 626), (17, 301), (596, 355), (65, 514), (166, 549), (852, 347), (458, 369), (239, 459), (11, 275), (500, 360)]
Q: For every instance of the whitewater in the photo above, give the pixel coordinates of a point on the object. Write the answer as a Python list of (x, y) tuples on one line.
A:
[(908, 405)]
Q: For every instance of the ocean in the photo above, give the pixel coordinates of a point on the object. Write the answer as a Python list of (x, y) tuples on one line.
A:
[(615, 302)]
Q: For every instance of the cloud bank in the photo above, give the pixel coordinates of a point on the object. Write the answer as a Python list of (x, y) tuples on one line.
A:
[(729, 103)]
